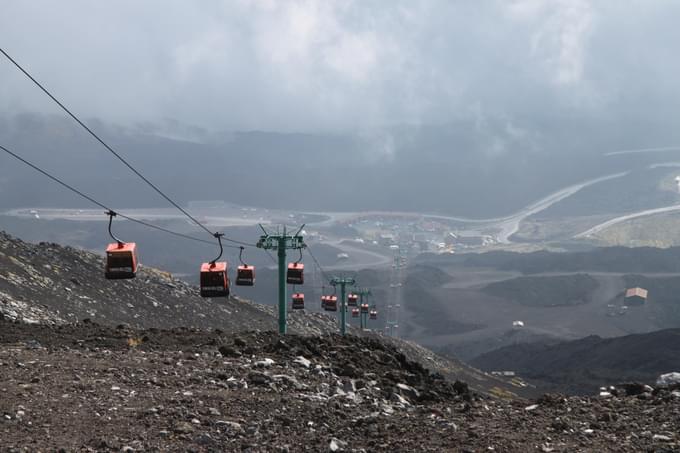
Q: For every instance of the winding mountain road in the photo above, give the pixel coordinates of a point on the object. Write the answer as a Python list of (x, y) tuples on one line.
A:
[(604, 225)]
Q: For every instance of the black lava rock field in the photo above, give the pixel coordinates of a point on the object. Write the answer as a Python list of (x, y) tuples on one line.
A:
[(85, 387)]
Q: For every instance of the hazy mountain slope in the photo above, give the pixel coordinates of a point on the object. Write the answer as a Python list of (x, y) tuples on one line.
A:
[(565, 296), (405, 168), (581, 366), (643, 188), (545, 291), (605, 259)]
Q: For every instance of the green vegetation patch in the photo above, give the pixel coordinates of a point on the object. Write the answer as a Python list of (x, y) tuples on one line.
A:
[(561, 290)]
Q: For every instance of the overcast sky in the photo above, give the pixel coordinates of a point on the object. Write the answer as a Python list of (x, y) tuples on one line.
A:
[(341, 65)]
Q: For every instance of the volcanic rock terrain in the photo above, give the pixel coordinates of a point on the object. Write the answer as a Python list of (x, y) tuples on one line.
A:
[(87, 387), (146, 365)]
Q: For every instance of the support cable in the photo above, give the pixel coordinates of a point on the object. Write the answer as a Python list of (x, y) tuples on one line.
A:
[(102, 205), (323, 273), (125, 162)]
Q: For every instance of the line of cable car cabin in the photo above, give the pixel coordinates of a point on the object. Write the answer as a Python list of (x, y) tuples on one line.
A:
[(121, 260), (295, 274), (121, 263), (329, 303), (214, 279), (298, 301), (245, 275)]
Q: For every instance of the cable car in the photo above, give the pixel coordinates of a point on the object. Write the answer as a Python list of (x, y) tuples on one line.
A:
[(214, 277), (121, 260), (355, 312), (373, 314), (295, 275), (298, 301), (245, 275), (332, 303), (121, 257), (352, 300), (364, 308)]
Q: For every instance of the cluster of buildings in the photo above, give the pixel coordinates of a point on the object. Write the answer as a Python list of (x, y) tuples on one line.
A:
[(421, 236)]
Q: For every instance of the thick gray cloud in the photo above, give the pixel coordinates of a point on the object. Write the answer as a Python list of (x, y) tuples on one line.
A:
[(342, 65)]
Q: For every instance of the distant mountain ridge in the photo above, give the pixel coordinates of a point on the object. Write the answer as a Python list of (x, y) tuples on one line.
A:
[(409, 168), (581, 366), (637, 260)]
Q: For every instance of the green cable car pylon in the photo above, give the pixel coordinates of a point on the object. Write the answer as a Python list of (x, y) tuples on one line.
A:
[(281, 243), (342, 282)]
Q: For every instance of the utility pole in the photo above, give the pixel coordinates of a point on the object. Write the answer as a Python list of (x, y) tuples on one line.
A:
[(281, 243), (343, 282)]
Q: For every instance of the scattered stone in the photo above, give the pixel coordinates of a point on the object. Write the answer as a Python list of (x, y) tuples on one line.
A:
[(257, 378), (232, 427), (408, 391), (228, 351), (183, 428), (302, 361), (204, 439), (266, 363), (669, 379), (337, 445), (349, 385), (661, 438)]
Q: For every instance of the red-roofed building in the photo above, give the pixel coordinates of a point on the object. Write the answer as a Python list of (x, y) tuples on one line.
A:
[(635, 296)]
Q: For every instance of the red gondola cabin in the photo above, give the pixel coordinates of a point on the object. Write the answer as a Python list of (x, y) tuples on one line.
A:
[(373, 314), (121, 260), (295, 275), (214, 280), (355, 312), (352, 300), (298, 301), (364, 308), (332, 303), (245, 275)]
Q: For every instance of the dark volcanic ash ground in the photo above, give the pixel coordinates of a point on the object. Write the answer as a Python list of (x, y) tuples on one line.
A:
[(87, 387)]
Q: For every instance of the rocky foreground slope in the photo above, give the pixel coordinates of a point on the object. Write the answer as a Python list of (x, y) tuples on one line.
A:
[(87, 387)]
